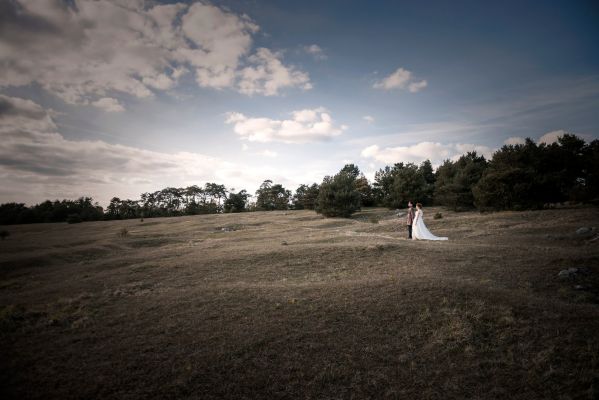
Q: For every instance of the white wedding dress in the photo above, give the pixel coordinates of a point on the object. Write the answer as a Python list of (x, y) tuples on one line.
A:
[(420, 231)]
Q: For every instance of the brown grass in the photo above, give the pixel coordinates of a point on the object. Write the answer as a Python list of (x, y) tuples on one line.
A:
[(290, 305)]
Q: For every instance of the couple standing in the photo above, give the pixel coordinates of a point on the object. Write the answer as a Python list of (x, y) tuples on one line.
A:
[(416, 227)]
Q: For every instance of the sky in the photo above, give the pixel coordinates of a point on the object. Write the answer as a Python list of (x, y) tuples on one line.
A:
[(115, 98)]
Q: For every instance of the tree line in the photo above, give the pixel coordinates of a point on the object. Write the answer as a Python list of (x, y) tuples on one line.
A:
[(518, 177)]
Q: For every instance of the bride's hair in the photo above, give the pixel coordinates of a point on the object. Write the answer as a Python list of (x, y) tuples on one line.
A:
[(419, 205)]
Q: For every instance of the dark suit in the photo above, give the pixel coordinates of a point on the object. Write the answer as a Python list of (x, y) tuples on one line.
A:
[(409, 221)]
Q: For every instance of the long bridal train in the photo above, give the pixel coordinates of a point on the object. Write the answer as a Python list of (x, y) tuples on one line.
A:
[(420, 231)]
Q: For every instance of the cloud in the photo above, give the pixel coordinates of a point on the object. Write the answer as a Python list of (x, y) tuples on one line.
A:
[(267, 75), (514, 141), (37, 163), (548, 138), (305, 126), (315, 51), (268, 153), (400, 79), (434, 151), (23, 114), (551, 137), (108, 104), (87, 50), (368, 119), (417, 86)]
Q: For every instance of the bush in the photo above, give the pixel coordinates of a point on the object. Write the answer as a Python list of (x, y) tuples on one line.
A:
[(124, 232), (338, 196), (4, 234), (438, 216), (74, 219)]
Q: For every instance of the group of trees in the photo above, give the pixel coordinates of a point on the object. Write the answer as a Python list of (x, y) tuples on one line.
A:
[(82, 209), (170, 202), (522, 176), (272, 197), (305, 197), (454, 181), (529, 175), (394, 186)]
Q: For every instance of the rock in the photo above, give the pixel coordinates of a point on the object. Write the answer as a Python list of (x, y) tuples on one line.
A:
[(578, 287), (284, 243), (567, 273), (583, 231)]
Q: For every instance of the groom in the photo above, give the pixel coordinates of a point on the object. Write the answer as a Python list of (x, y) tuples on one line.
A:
[(410, 219)]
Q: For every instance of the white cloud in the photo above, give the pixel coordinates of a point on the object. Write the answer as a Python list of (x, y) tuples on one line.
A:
[(551, 137), (108, 104), (315, 51), (307, 125), (38, 163), (267, 75), (90, 50), (268, 153), (514, 141), (400, 79), (417, 86), (368, 119), (434, 151)]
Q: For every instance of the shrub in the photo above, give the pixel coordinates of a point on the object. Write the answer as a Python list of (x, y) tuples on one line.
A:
[(374, 219), (438, 216), (4, 234), (124, 232), (338, 196), (74, 219)]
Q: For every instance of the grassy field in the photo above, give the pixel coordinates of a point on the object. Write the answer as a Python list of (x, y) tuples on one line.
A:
[(290, 305)]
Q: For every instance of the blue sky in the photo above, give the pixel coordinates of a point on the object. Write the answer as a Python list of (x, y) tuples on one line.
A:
[(115, 98)]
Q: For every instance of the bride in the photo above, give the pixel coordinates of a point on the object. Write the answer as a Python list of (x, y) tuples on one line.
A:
[(419, 230)]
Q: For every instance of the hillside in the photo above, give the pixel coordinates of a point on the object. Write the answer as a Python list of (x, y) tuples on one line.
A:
[(290, 305)]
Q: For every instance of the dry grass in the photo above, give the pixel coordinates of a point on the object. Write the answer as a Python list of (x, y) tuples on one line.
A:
[(289, 305)]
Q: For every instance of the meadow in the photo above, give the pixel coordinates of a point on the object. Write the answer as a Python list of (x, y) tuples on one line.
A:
[(287, 304)]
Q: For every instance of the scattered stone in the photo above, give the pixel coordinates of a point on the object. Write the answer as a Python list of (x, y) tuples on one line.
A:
[(284, 243), (567, 273), (583, 231), (578, 287)]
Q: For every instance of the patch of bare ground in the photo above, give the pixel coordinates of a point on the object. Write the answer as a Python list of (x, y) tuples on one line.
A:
[(291, 305)]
